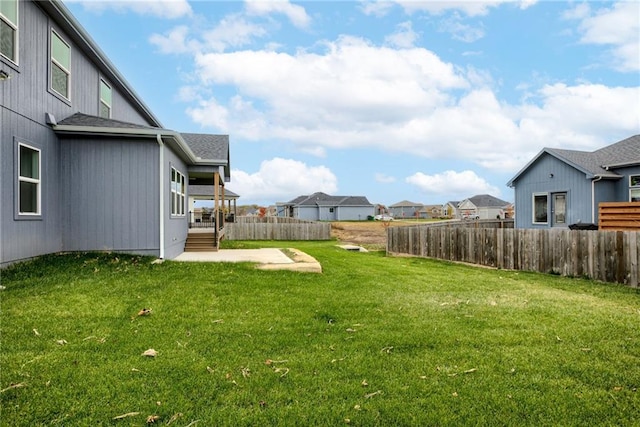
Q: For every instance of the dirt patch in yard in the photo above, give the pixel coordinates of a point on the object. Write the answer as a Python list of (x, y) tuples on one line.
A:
[(370, 234)]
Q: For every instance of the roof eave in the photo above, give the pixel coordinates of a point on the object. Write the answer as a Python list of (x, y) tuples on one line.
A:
[(182, 146)]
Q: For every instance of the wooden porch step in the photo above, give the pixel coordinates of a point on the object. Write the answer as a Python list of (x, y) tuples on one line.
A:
[(200, 242)]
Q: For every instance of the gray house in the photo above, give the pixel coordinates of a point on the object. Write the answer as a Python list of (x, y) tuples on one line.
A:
[(405, 209), (482, 206), (323, 207), (558, 188), (85, 165)]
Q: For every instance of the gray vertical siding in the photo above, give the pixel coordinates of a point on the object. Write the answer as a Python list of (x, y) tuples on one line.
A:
[(351, 213), (28, 90), (20, 237), (176, 227), (565, 179), (111, 196)]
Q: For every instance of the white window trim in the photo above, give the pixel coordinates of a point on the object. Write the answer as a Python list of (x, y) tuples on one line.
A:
[(102, 101), (178, 197), (68, 96), (533, 208), (31, 180), (15, 26), (633, 188)]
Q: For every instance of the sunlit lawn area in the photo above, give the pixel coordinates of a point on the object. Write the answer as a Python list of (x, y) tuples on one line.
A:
[(373, 340)]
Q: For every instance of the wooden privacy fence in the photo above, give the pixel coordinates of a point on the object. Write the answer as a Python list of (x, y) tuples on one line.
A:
[(619, 216), (611, 256), (276, 228)]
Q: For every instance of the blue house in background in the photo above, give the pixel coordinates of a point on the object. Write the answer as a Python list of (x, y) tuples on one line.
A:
[(558, 187), (84, 164), (323, 207)]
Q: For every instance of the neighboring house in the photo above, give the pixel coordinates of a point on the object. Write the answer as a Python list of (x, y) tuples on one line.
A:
[(558, 188), (405, 209), (450, 209), (482, 206), (431, 211), (323, 207), (84, 164)]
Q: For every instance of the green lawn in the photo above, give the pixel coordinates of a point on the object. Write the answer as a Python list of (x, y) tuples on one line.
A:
[(373, 340)]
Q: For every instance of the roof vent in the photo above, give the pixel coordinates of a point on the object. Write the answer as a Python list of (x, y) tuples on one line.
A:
[(50, 119)]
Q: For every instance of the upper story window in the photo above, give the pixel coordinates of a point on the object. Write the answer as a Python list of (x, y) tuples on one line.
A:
[(9, 29), (105, 99), (634, 188), (177, 193), (28, 180), (60, 65)]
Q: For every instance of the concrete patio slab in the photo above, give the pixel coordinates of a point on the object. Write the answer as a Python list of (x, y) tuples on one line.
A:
[(266, 258)]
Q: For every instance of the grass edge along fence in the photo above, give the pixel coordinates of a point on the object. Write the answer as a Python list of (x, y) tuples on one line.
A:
[(276, 228), (609, 256)]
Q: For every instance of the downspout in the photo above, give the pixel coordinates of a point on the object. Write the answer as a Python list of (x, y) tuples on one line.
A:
[(593, 199), (161, 176)]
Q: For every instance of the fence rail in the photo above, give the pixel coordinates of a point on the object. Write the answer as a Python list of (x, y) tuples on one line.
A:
[(619, 216), (276, 228), (611, 256)]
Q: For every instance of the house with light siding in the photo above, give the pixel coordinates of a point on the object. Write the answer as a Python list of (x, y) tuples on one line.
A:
[(482, 206), (85, 164), (405, 209), (559, 188), (324, 207)]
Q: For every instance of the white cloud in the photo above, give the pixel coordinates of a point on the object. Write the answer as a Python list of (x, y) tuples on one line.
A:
[(169, 9), (470, 8), (376, 8), (617, 27), (452, 184), (175, 41), (295, 13), (283, 179), (404, 37), (355, 94), (459, 31), (232, 31)]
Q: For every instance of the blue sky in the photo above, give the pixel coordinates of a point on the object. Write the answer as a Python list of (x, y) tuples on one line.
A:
[(426, 101)]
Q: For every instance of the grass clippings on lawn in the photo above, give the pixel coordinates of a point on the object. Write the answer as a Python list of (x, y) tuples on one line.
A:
[(372, 340)]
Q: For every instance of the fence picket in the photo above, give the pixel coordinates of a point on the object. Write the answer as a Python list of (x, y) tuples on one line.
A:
[(611, 256)]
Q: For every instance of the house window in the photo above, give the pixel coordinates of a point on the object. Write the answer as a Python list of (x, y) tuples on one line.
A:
[(634, 190), (177, 193), (9, 29), (60, 65), (105, 100), (540, 208), (28, 180)]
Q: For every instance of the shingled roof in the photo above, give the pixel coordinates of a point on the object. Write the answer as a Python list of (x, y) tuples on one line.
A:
[(80, 119), (206, 147), (322, 199), (487, 201), (599, 163)]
